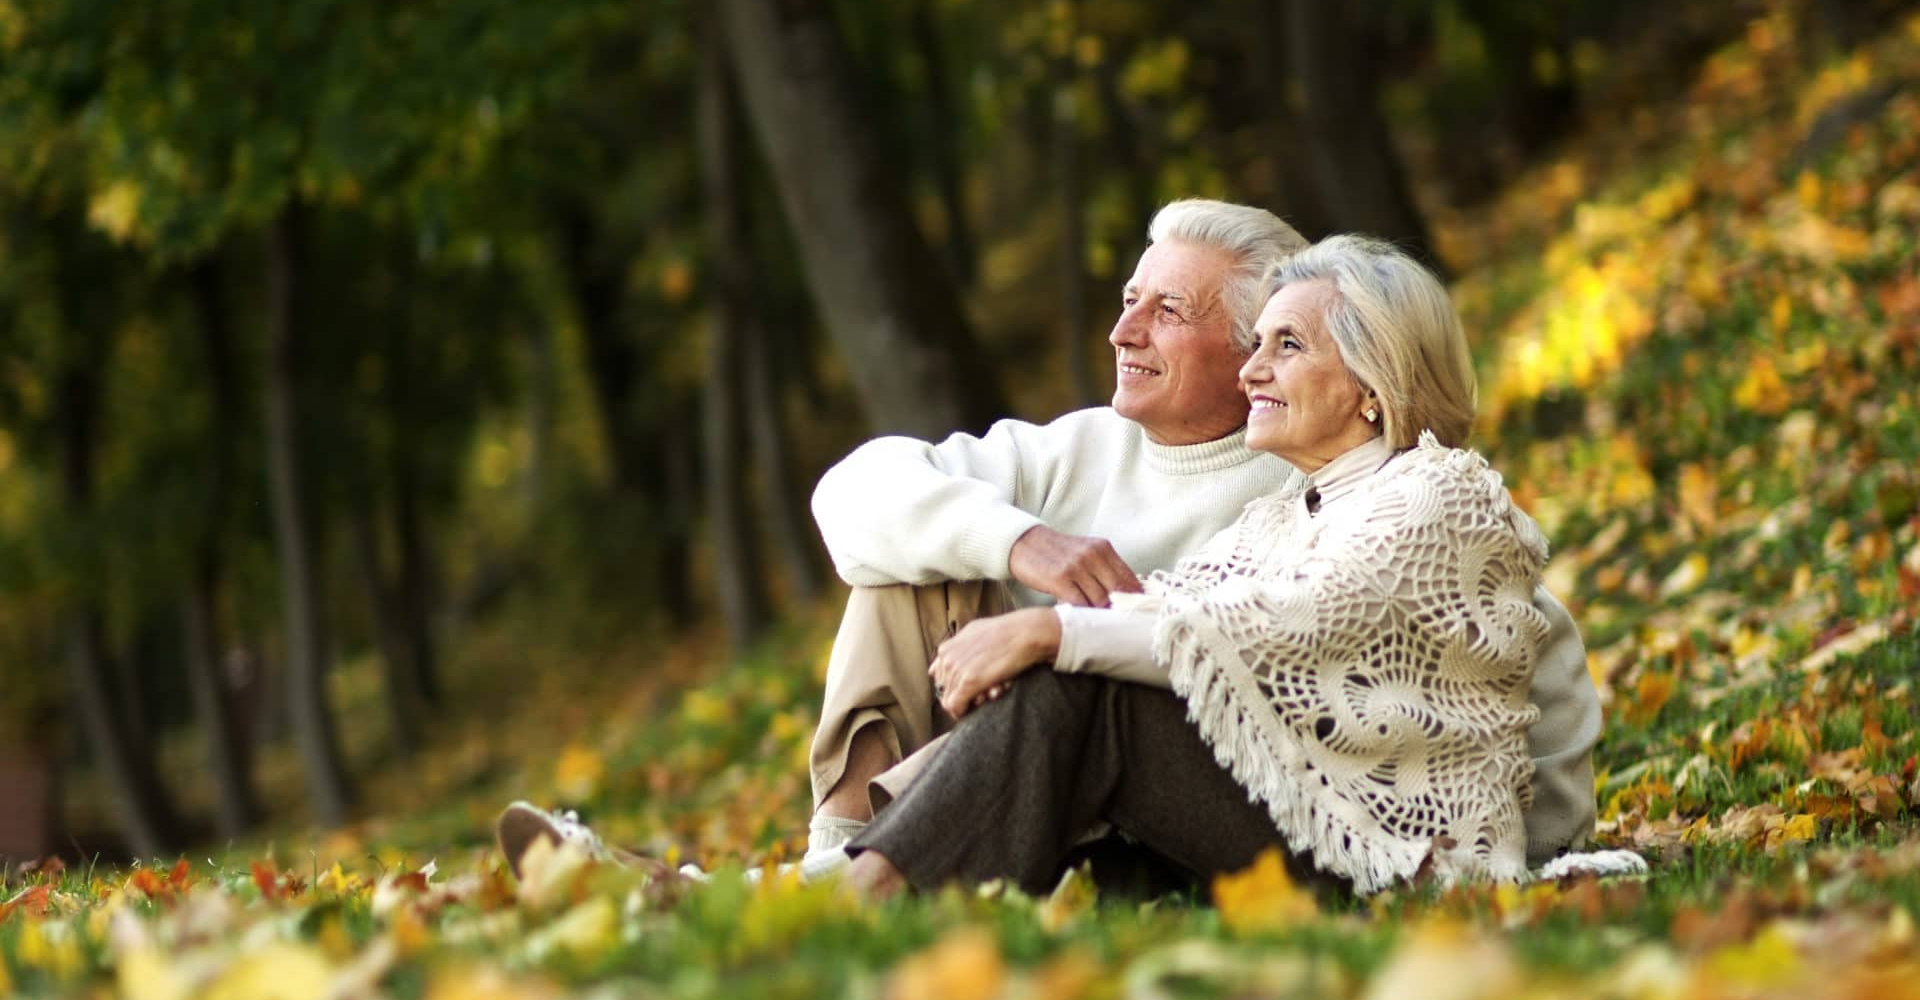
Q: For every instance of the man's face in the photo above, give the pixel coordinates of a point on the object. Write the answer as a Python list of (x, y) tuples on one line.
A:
[(1173, 344)]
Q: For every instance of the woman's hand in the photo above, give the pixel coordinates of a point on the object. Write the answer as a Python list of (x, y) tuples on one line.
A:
[(981, 658)]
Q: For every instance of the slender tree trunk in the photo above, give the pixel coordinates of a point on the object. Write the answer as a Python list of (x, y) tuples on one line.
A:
[(679, 478), (414, 584), (781, 498), (951, 124), (146, 816), (1296, 194), (612, 359), (897, 318), (737, 569), (1355, 167), (306, 644), (228, 758), (404, 709)]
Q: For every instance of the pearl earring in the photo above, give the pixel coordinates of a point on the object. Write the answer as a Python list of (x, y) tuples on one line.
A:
[(1372, 415)]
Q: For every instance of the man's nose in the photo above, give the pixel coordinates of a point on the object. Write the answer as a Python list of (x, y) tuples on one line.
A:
[(1130, 329)]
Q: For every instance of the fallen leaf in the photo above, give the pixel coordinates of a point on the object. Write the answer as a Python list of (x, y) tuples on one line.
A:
[(1263, 897), (965, 964)]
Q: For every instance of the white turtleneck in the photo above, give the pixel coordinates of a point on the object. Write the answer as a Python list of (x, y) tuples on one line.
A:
[(900, 510)]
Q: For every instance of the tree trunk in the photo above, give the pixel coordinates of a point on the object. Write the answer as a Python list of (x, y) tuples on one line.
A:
[(413, 586), (1296, 195), (781, 498), (146, 816), (306, 645), (737, 573), (612, 358), (404, 709), (897, 318), (678, 479), (228, 759), (1355, 167), (947, 130)]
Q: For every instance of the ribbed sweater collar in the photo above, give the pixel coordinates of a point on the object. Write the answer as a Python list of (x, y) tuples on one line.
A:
[(1207, 456)]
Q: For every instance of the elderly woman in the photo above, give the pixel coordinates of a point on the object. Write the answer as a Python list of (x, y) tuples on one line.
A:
[(1341, 673)]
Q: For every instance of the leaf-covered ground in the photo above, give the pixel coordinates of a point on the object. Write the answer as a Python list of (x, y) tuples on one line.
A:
[(1702, 333)]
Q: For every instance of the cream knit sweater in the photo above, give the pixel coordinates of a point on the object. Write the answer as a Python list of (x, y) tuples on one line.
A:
[(900, 510)]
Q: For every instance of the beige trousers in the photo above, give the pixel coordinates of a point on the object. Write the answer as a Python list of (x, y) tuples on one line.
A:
[(877, 676)]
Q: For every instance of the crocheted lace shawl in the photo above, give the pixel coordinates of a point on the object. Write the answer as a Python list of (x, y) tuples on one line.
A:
[(1363, 672)]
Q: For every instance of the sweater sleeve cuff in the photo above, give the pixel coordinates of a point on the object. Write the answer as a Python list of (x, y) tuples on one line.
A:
[(987, 544)]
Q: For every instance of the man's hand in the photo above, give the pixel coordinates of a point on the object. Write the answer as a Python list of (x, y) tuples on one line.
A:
[(975, 664), (1072, 568)]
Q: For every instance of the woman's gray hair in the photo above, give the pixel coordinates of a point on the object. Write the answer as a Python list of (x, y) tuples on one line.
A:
[(1257, 239), (1398, 333)]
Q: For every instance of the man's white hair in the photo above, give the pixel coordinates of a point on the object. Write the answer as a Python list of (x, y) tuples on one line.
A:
[(1398, 334), (1257, 239)]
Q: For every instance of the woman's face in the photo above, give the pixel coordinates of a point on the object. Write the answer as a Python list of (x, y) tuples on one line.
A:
[(1307, 407)]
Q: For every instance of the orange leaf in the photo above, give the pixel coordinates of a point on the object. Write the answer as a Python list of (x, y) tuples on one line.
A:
[(31, 901)]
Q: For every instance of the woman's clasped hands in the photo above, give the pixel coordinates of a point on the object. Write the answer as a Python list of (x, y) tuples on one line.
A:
[(975, 664)]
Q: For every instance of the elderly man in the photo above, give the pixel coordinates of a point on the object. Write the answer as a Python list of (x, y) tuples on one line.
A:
[(932, 536)]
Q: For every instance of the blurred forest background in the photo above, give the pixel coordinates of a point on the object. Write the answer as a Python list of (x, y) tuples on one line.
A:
[(363, 365)]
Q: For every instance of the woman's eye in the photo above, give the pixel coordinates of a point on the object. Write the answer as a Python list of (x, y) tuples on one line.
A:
[(1290, 344)]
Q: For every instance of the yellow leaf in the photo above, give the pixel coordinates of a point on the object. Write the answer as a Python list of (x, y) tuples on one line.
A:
[(145, 973), (1068, 977), (338, 881), (1761, 390), (115, 209), (1804, 826), (1074, 895), (1699, 494), (279, 971), (1263, 897), (1769, 961), (549, 875), (586, 931), (1687, 576), (1807, 190), (1443, 960), (578, 773), (1781, 313), (965, 964)]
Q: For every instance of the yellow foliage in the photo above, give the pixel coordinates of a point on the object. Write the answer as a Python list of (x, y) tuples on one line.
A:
[(1263, 897), (963, 965), (1446, 960), (279, 971), (578, 773), (1075, 895), (1688, 576), (1699, 494), (586, 931), (1762, 390), (1769, 961), (115, 209)]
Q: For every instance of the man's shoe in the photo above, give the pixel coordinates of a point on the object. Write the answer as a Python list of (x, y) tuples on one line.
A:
[(522, 823)]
